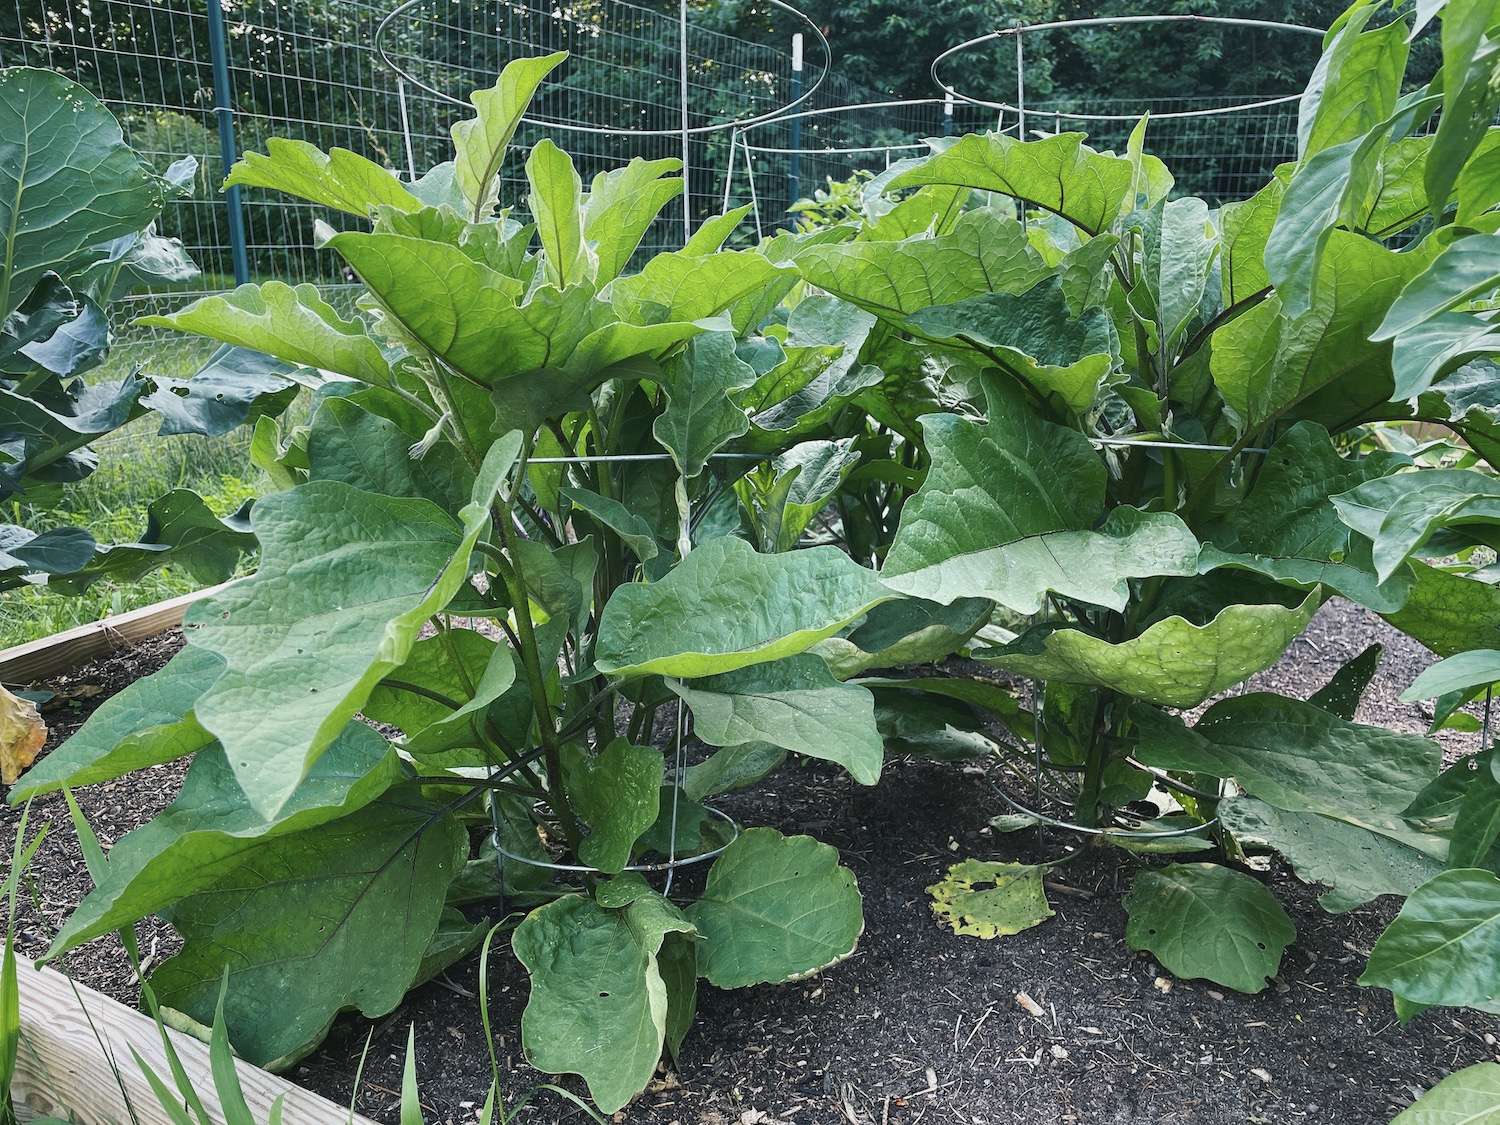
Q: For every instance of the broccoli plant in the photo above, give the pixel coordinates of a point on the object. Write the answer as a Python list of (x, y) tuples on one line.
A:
[(78, 214)]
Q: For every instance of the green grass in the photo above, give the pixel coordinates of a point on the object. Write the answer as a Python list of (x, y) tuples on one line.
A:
[(135, 467)]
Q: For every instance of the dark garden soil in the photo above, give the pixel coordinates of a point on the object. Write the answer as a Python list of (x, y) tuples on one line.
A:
[(920, 1024)]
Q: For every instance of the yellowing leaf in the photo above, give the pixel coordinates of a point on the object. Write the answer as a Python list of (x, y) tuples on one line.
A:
[(990, 900), (22, 733)]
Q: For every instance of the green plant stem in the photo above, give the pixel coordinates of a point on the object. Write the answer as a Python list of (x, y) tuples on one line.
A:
[(514, 576), (1088, 811)]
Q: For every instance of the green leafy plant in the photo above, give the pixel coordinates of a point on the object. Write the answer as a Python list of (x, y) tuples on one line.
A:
[(78, 220), (1150, 444), (513, 531), (548, 492)]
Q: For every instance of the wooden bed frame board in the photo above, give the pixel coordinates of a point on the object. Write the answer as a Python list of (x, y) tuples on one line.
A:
[(62, 652), (62, 1072)]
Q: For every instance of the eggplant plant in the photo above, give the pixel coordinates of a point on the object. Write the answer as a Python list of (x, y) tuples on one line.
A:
[(1146, 453), (510, 554), (553, 505)]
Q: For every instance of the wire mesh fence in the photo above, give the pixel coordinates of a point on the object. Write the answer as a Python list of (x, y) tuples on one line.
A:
[(311, 71)]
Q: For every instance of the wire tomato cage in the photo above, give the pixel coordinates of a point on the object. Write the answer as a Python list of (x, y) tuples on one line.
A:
[(673, 862), (686, 127)]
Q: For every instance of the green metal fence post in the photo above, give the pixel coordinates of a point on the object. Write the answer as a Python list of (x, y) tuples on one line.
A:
[(224, 112)]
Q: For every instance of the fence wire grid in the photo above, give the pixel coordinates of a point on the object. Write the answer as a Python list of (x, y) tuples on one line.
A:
[(310, 70)]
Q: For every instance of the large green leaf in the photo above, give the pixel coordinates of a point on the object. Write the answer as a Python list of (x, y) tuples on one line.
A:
[(312, 923), (688, 286), (1400, 513), (1466, 269), (621, 206), (1478, 668), (1059, 174), (479, 143), (1288, 527), (1181, 246), (1265, 362), (181, 530), (70, 183), (463, 311), (1355, 864), (701, 416), (339, 178), (1440, 344), (1471, 96), (291, 323), (1303, 759), (1007, 512), (348, 443), (346, 580), (616, 793), (1245, 228), (1448, 612), (1036, 336), (556, 202), (145, 724), (58, 550), (236, 387), (1173, 663), (1205, 921), (183, 850), (984, 253), (599, 1005), (1338, 185), (1355, 84), (1470, 1096), (1444, 946), (793, 703), (775, 908), (726, 607)]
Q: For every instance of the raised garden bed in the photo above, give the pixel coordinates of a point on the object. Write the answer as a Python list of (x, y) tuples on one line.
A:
[(920, 1023)]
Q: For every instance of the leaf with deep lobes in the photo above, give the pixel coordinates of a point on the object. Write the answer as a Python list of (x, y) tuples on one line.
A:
[(294, 324), (338, 178)]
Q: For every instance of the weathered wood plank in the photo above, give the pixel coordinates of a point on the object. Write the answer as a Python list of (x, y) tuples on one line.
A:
[(61, 1070), (49, 656)]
